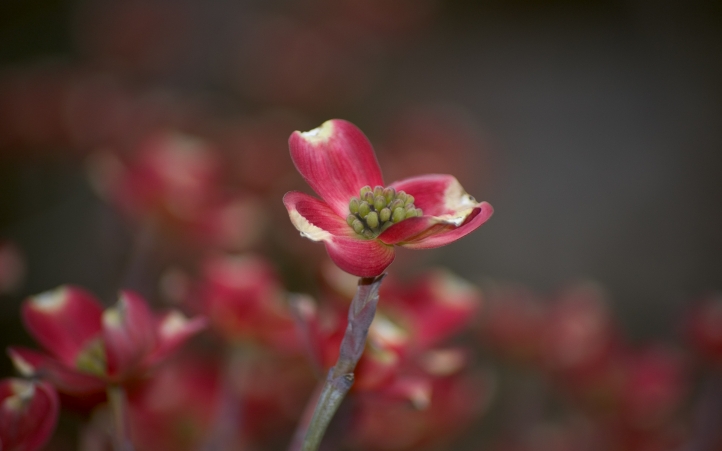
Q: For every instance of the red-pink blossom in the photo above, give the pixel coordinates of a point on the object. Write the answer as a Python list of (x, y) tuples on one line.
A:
[(91, 347), (28, 414), (338, 162)]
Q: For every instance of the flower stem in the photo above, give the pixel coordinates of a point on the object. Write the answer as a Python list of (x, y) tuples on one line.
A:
[(340, 378), (119, 410)]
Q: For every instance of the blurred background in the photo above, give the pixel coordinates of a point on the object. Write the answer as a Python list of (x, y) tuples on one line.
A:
[(594, 128)]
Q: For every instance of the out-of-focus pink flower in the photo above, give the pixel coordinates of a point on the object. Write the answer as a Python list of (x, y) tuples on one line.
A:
[(175, 409), (390, 423), (513, 323), (358, 219), (91, 347), (244, 300), (176, 181), (579, 330), (12, 267), (654, 387), (28, 414), (171, 175), (433, 308)]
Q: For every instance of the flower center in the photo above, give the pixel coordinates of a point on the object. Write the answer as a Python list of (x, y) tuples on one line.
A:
[(92, 358), (377, 209)]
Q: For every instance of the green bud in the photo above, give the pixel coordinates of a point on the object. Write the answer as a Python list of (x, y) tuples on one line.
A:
[(411, 213), (409, 207), (398, 215), (419, 213), (396, 204), (369, 198), (353, 205), (364, 190), (368, 234), (390, 195), (363, 209), (409, 200), (379, 202), (384, 215), (358, 226), (350, 219), (401, 196), (378, 191), (372, 220)]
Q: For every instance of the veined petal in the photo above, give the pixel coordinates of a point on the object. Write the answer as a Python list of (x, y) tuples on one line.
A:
[(63, 320), (174, 329), (360, 257), (443, 233), (128, 333), (337, 160), (314, 218), (406, 229), (31, 363), (439, 195)]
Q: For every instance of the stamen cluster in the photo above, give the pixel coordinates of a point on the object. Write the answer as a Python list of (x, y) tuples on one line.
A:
[(377, 209)]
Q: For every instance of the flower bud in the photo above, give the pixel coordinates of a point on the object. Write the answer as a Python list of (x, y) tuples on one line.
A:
[(398, 215), (384, 215), (350, 219), (364, 209), (389, 194), (364, 190), (372, 219), (379, 202), (396, 204), (409, 200), (378, 191), (369, 198), (358, 226), (402, 197), (353, 205)]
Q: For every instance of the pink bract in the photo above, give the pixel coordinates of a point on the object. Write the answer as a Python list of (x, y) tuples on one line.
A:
[(337, 160), (28, 414), (90, 347)]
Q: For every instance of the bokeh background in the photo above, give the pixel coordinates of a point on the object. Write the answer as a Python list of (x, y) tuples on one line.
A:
[(593, 127)]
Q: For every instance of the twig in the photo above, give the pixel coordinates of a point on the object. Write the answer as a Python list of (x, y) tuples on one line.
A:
[(340, 378)]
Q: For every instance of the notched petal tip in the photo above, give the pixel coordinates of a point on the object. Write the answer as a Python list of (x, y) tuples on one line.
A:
[(319, 134)]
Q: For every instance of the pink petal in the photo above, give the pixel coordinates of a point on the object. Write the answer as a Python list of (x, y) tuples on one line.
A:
[(360, 257), (442, 234), (28, 414), (314, 218), (406, 229), (31, 363), (129, 333), (63, 320), (336, 160), (355, 255), (436, 194), (174, 329)]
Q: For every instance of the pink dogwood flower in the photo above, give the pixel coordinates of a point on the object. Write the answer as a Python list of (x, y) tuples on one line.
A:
[(359, 218), (28, 414), (92, 348)]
